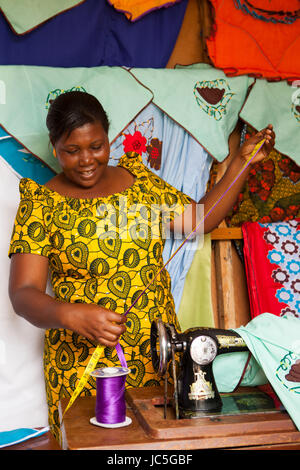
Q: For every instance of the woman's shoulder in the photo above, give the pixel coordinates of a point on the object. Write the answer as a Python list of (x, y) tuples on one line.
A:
[(132, 161), (30, 189)]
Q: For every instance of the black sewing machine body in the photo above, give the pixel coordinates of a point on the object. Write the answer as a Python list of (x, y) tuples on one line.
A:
[(195, 390)]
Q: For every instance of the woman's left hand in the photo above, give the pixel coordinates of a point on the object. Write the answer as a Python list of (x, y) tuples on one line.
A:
[(269, 135)]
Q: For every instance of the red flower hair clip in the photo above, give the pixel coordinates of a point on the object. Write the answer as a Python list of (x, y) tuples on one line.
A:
[(135, 143)]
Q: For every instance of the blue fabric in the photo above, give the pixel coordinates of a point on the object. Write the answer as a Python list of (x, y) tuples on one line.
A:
[(94, 34), (9, 438), (22, 162), (185, 165)]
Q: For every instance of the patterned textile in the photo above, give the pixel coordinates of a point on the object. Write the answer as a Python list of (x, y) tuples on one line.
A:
[(271, 193), (242, 40), (272, 262), (96, 257), (136, 9)]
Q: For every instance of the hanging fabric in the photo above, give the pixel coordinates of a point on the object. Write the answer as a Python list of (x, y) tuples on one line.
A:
[(136, 9), (25, 15), (271, 192), (279, 104), (207, 104), (28, 90), (272, 263), (22, 161), (195, 306), (274, 344), (65, 40), (244, 34), (201, 99)]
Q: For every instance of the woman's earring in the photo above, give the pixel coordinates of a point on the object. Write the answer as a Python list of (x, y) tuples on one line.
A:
[(54, 153)]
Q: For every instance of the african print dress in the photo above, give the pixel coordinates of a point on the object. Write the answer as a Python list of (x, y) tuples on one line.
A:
[(103, 251)]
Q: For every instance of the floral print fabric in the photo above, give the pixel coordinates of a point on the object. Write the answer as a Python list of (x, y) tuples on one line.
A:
[(272, 261), (271, 193)]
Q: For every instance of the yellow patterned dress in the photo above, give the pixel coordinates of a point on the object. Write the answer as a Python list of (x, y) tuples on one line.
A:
[(103, 251)]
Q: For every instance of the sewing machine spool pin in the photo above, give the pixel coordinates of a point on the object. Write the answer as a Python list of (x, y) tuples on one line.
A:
[(195, 390)]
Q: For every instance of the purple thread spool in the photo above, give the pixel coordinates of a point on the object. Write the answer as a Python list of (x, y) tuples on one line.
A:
[(110, 407)]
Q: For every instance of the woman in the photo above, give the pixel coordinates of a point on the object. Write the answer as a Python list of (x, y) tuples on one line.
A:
[(90, 226)]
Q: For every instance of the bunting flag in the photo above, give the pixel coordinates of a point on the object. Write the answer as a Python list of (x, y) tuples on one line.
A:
[(201, 99), (279, 104), (25, 15), (28, 90)]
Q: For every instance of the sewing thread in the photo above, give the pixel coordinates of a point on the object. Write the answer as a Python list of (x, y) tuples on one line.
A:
[(110, 409)]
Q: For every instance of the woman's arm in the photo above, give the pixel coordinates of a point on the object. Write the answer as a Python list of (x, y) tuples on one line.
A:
[(193, 215), (27, 291)]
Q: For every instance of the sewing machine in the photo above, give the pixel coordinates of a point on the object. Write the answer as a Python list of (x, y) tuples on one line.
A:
[(240, 419), (195, 390)]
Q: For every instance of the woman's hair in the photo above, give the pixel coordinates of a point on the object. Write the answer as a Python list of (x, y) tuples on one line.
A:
[(71, 110)]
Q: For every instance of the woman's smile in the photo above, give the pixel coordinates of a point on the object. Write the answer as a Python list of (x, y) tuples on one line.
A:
[(86, 174)]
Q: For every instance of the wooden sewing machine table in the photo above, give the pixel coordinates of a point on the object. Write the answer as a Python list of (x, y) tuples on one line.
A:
[(150, 431)]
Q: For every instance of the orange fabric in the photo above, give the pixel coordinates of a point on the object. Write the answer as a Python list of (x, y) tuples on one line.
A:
[(249, 38), (135, 9)]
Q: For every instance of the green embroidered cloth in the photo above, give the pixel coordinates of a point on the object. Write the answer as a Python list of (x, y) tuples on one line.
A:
[(27, 91), (228, 369), (276, 103), (201, 99), (24, 15), (275, 346)]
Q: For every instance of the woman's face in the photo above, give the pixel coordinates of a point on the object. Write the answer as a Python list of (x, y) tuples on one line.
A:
[(83, 155)]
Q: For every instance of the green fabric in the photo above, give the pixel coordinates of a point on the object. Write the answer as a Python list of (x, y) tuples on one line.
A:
[(201, 99), (23, 15), (28, 90), (228, 369), (277, 104), (275, 344), (195, 306)]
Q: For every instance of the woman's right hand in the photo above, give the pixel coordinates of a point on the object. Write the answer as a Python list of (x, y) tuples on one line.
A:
[(95, 323), (27, 286)]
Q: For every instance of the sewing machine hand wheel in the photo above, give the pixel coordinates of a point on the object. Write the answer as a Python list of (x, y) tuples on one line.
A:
[(160, 347)]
